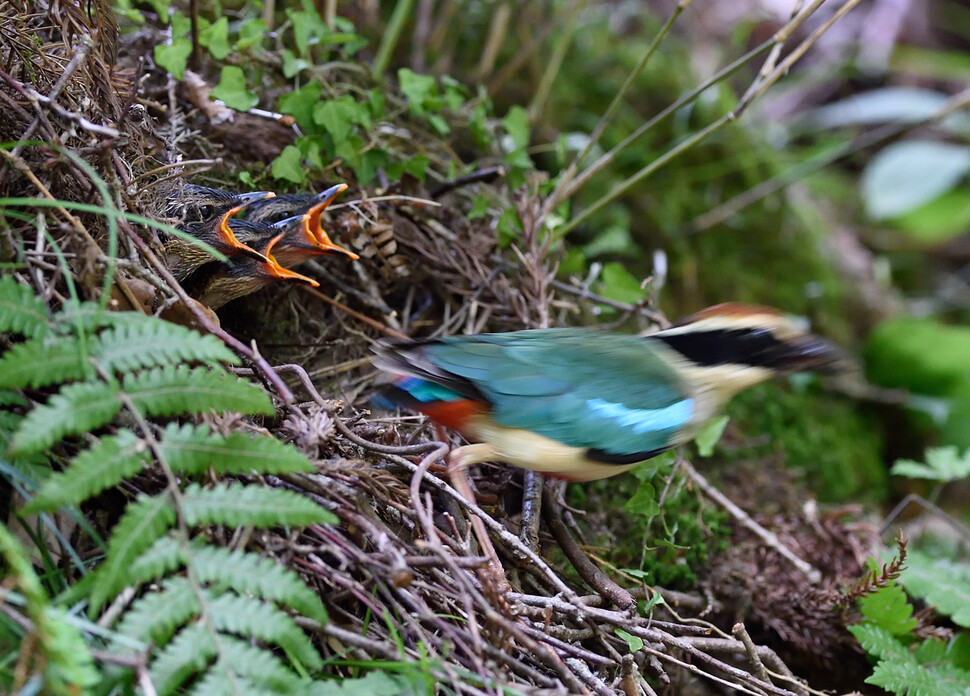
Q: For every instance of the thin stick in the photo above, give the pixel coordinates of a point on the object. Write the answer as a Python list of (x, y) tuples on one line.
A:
[(771, 540)]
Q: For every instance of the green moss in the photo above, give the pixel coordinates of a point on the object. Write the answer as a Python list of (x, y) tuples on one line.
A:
[(669, 549), (834, 448)]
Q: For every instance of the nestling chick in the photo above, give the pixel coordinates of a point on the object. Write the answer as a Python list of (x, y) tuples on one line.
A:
[(206, 214), (304, 235), (217, 283)]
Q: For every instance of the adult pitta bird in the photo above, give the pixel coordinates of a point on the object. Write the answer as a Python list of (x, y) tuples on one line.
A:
[(582, 404)]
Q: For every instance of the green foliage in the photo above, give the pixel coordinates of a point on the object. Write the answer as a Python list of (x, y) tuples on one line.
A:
[(897, 356), (905, 664), (943, 464), (942, 582), (668, 544), (198, 605), (58, 654), (831, 444)]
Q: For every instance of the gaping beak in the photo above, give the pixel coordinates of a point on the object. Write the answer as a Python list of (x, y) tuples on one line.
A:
[(280, 272), (253, 196), (227, 234), (313, 226)]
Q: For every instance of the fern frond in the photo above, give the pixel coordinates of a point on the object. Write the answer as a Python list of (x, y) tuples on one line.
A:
[(225, 679), (941, 582), (261, 666), (76, 409), (256, 506), (164, 556), (189, 652), (21, 311), (195, 449), (89, 316), (878, 642), (104, 465), (260, 577), (156, 617), (166, 391), (39, 362), (907, 678), (252, 618), (130, 347), (889, 608), (11, 398), (144, 521)]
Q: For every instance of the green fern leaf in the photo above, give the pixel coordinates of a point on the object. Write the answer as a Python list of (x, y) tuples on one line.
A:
[(144, 521), (21, 311), (888, 608), (943, 464), (11, 398), (372, 684), (252, 618), (76, 409), (163, 557), (166, 391), (941, 582), (189, 652), (224, 679), (905, 677), (89, 317), (195, 450), (260, 666), (260, 577), (878, 642), (104, 465), (39, 362), (256, 506), (155, 617), (130, 347)]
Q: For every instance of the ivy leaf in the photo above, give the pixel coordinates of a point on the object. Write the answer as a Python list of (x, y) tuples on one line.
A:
[(232, 89), (215, 37), (644, 501), (516, 124), (943, 464), (300, 104), (339, 116), (250, 34), (174, 57), (292, 65), (419, 89), (634, 643), (619, 284), (709, 435), (288, 166)]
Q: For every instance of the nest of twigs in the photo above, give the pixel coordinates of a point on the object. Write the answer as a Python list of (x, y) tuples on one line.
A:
[(402, 575)]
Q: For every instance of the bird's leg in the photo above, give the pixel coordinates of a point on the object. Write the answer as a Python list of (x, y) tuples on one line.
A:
[(493, 576)]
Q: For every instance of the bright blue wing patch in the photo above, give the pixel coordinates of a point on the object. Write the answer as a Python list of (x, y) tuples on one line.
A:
[(644, 420), (425, 391)]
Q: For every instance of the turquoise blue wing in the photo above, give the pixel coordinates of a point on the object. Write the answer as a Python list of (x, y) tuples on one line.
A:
[(580, 387)]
